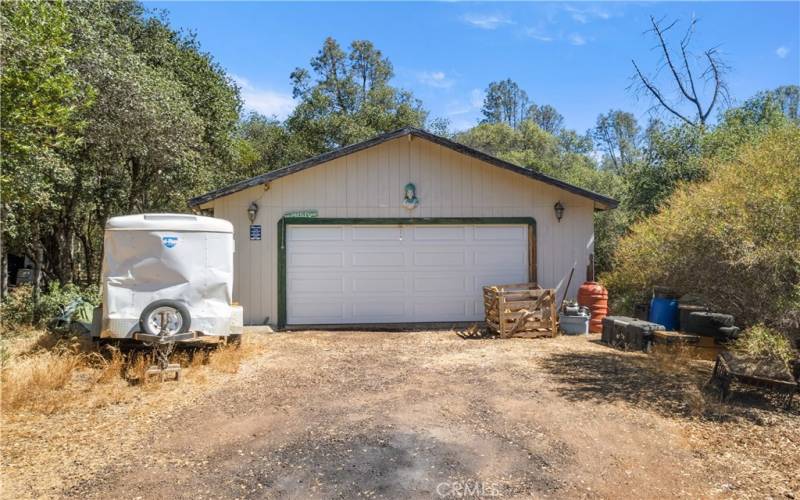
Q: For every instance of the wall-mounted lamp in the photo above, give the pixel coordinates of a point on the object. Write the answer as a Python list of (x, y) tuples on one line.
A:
[(559, 208), (252, 210)]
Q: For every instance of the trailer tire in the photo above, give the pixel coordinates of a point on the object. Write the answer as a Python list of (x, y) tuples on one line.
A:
[(179, 308)]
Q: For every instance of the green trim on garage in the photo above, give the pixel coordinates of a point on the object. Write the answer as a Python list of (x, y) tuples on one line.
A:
[(296, 221)]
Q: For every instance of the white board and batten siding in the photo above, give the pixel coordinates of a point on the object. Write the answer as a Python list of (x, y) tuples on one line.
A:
[(369, 184)]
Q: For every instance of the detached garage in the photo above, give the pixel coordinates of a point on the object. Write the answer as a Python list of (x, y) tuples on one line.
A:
[(403, 228)]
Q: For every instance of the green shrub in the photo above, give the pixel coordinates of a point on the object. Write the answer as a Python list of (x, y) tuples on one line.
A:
[(18, 308), (761, 341), (734, 241)]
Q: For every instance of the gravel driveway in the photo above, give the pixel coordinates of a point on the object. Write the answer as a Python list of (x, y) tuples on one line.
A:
[(429, 414)]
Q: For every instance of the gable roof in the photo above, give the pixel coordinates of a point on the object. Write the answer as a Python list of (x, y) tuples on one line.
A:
[(602, 202)]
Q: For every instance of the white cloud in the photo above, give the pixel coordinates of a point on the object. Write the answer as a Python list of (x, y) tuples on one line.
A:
[(487, 21), (464, 106), (782, 52), (436, 79), (463, 113), (538, 34), (576, 39), (265, 101), (476, 97), (584, 15)]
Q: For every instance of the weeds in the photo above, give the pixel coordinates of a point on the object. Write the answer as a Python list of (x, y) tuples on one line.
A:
[(677, 364), (226, 359), (36, 382), (45, 373), (760, 341)]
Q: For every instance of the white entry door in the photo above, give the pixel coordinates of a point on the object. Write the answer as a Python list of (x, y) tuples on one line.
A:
[(351, 274)]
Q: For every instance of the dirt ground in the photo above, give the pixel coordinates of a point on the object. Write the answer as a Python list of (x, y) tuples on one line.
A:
[(416, 415)]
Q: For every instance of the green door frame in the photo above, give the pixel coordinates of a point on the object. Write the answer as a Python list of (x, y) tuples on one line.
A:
[(284, 222)]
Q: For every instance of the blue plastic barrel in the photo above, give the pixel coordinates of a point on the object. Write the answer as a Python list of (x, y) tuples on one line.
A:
[(664, 311)]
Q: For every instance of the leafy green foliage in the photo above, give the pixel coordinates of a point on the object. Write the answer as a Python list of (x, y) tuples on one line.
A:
[(733, 240), (262, 144), (345, 98), (546, 117), (19, 310), (671, 155), (40, 97), (616, 134), (505, 103), (132, 117), (786, 98), (763, 342)]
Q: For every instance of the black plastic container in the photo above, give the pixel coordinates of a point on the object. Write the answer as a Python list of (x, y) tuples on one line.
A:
[(638, 335), (613, 332)]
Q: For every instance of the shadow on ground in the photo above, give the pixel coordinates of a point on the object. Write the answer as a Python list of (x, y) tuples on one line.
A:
[(673, 387)]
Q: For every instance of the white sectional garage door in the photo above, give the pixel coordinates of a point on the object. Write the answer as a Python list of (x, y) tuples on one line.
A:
[(350, 274)]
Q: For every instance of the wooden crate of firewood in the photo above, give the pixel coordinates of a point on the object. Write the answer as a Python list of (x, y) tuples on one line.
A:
[(521, 310)]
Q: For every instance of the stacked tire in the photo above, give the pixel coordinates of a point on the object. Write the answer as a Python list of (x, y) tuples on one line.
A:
[(711, 324)]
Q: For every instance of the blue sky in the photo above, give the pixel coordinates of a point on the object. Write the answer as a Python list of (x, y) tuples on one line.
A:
[(574, 56)]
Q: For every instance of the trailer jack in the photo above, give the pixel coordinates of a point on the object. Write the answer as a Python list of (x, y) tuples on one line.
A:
[(163, 345), (162, 368)]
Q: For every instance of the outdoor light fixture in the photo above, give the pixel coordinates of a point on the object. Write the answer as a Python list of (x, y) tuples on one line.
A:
[(559, 208), (252, 210)]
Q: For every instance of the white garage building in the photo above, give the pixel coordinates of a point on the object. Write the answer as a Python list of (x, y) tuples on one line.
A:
[(403, 228)]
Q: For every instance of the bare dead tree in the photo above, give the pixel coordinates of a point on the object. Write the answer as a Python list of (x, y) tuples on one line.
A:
[(679, 68)]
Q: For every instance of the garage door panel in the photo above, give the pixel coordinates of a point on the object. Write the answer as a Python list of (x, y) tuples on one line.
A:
[(382, 284), (316, 233), (439, 258), (437, 233), (441, 283), (378, 311), (372, 233), (379, 257), (316, 259), (495, 234), (444, 310), (305, 312), (506, 257), (315, 284), (398, 274)]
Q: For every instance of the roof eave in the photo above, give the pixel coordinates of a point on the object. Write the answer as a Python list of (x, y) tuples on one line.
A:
[(601, 202)]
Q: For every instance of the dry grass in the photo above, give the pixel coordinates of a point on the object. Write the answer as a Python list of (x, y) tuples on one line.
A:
[(226, 359), (36, 382), (672, 359), (44, 373), (110, 368), (687, 372)]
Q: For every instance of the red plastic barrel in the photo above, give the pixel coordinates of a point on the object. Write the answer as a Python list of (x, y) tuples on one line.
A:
[(594, 296)]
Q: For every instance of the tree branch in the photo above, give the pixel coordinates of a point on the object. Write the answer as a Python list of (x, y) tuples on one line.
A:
[(717, 84), (657, 30), (690, 77), (653, 90)]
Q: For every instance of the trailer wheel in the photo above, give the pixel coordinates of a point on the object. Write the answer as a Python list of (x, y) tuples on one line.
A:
[(171, 315)]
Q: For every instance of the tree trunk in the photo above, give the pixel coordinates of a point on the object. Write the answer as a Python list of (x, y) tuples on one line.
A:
[(38, 257), (3, 259), (88, 258), (3, 272)]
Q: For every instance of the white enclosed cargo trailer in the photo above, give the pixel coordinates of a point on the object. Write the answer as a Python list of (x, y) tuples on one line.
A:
[(167, 278)]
